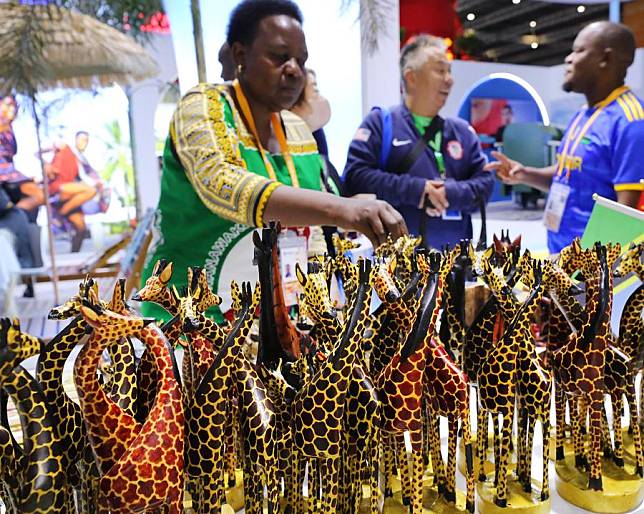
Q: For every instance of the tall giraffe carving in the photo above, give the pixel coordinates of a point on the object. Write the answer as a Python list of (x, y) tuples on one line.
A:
[(208, 415), (81, 468), (319, 407), (497, 381), (534, 383), (44, 486), (362, 409), (149, 474), (631, 330), (110, 429), (579, 365)]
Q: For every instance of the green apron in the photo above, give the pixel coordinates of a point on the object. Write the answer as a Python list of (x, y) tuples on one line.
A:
[(189, 234)]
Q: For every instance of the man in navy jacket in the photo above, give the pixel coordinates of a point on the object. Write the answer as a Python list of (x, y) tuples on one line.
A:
[(449, 172)]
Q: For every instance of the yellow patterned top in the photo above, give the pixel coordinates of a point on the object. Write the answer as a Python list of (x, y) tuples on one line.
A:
[(221, 159)]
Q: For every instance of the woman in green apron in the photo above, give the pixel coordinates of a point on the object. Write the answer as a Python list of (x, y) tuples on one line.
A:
[(235, 159)]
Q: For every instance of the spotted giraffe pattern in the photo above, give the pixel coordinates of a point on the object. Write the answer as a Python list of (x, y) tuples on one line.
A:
[(208, 415), (9, 486), (362, 408), (497, 382), (396, 321), (317, 304), (319, 407), (43, 486), (110, 430), (123, 387), (80, 465), (534, 383), (150, 472), (344, 266), (452, 326), (401, 382), (579, 365), (631, 329)]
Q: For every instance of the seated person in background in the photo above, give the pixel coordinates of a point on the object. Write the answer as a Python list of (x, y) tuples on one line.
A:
[(430, 159), (15, 221), (75, 183), (22, 190), (599, 152)]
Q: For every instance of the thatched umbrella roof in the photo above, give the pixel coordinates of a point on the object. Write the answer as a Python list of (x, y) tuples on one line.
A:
[(45, 46)]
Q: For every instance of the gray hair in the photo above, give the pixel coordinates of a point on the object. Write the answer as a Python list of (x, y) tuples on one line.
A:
[(414, 54)]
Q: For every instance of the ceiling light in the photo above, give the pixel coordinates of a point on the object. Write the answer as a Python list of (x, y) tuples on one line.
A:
[(470, 16), (533, 24), (581, 9), (515, 2), (534, 45)]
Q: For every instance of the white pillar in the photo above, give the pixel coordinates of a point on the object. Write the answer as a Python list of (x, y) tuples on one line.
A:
[(380, 71), (143, 100)]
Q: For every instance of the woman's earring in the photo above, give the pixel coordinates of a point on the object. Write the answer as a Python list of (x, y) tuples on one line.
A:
[(240, 69)]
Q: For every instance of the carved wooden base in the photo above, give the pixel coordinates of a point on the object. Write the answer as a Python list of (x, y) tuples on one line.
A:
[(519, 502), (622, 490), (489, 461)]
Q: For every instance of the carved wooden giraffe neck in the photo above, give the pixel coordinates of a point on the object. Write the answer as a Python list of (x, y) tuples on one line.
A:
[(278, 337)]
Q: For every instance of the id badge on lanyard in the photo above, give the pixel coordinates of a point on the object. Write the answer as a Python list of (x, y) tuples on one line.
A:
[(555, 206), (293, 249)]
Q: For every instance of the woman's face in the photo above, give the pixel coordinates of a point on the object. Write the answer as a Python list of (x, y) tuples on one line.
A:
[(273, 65)]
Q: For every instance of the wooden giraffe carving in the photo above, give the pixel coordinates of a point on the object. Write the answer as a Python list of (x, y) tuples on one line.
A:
[(362, 410), (278, 337), (344, 266), (452, 326), (399, 310), (110, 429), (534, 383), (80, 465), (9, 466), (123, 390), (319, 407), (149, 474), (497, 381), (579, 365), (631, 329), (43, 484), (208, 415)]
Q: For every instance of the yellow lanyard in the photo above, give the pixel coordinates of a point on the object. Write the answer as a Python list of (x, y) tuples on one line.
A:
[(578, 137), (279, 134)]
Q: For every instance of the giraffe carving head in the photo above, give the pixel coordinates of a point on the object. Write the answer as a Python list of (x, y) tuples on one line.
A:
[(494, 279), (557, 281), (477, 257), (187, 311), (317, 303), (156, 286), (631, 262), (384, 283), (343, 244), (504, 246), (571, 257), (87, 291), (117, 303), (197, 278), (15, 345)]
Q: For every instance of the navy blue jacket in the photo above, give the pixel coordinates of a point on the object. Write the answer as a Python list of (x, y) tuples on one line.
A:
[(465, 178)]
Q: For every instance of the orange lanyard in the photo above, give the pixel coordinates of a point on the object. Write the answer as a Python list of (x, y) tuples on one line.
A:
[(279, 134), (578, 137)]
